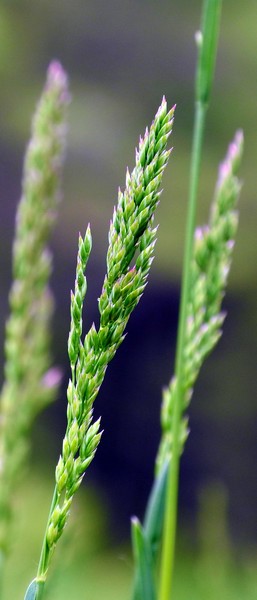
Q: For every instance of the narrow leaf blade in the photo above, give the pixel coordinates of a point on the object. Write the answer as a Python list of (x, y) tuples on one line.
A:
[(35, 590), (144, 583), (153, 521)]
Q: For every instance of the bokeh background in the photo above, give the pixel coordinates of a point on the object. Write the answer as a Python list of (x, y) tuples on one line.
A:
[(121, 57)]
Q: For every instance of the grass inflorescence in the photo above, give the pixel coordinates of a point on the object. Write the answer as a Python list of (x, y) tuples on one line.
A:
[(211, 261), (132, 238), (30, 380)]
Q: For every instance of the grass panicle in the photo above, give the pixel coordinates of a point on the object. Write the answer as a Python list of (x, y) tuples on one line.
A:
[(131, 233), (30, 381), (212, 252)]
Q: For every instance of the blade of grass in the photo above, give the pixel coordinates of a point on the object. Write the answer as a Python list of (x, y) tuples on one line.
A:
[(152, 527), (153, 520), (145, 582), (207, 43), (34, 591)]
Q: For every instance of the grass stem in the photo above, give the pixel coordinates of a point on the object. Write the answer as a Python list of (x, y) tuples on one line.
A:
[(44, 556), (207, 46), (170, 519)]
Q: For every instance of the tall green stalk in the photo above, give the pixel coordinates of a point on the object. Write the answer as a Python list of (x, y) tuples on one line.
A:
[(207, 45)]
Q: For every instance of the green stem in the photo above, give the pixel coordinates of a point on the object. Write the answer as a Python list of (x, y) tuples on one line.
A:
[(170, 517), (40, 589), (35, 590), (207, 45), (45, 556)]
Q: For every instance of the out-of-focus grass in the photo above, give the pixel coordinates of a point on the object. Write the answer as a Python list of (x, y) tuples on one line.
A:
[(86, 566), (198, 578)]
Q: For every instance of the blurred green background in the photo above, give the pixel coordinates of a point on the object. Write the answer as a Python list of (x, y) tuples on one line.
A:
[(121, 57)]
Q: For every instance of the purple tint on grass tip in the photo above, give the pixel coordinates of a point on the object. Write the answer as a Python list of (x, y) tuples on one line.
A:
[(56, 73), (234, 147), (224, 172), (230, 244), (204, 328), (52, 378), (198, 234), (232, 150), (56, 77), (162, 106)]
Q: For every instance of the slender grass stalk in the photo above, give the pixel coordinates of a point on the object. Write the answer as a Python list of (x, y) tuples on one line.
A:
[(207, 42), (131, 230), (30, 381), (170, 520)]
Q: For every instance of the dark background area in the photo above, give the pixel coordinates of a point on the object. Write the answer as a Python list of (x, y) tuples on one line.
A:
[(121, 57)]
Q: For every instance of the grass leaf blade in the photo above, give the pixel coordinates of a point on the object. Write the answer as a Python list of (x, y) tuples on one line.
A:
[(144, 587)]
